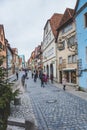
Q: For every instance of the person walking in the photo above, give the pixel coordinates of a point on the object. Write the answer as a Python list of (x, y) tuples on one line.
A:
[(64, 82), (42, 78), (35, 76), (32, 75), (17, 75), (46, 78), (23, 79)]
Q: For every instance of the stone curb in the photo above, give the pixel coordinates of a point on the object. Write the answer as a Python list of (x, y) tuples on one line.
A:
[(27, 124), (16, 122)]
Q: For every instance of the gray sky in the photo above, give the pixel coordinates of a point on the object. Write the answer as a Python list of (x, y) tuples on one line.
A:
[(24, 21)]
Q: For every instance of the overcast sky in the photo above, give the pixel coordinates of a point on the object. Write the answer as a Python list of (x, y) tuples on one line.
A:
[(24, 21)]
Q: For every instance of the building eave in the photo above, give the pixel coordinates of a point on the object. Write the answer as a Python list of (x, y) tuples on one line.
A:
[(81, 9)]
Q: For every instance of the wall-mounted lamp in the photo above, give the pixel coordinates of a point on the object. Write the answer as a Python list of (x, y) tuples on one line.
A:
[(72, 45)]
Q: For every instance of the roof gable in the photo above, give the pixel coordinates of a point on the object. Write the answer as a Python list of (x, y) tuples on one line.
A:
[(68, 15), (54, 22)]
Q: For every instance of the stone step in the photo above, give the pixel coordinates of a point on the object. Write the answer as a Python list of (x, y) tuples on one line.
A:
[(11, 127), (16, 122)]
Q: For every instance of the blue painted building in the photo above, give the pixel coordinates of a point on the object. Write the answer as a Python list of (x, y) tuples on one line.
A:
[(81, 30)]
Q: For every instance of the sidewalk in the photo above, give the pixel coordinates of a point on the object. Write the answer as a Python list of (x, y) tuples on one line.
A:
[(73, 91), (21, 113)]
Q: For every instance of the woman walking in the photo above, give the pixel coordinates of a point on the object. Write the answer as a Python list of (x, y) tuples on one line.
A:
[(64, 82)]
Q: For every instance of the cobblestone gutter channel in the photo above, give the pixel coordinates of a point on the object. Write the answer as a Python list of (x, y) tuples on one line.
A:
[(21, 114), (42, 124)]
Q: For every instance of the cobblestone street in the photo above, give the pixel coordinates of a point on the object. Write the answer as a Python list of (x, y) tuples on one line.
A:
[(56, 109), (51, 107)]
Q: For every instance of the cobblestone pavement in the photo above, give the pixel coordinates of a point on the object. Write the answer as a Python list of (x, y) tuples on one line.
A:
[(56, 109), (23, 111)]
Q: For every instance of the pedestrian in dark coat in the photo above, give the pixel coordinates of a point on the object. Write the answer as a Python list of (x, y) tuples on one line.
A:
[(42, 78), (35, 76), (23, 79), (32, 75), (17, 75)]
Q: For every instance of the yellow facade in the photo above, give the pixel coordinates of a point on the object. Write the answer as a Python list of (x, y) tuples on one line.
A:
[(67, 56)]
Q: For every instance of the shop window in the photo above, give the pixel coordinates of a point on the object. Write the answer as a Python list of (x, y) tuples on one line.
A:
[(73, 77)]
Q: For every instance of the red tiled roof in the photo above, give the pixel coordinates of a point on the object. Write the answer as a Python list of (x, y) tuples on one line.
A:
[(54, 22), (68, 15), (14, 50)]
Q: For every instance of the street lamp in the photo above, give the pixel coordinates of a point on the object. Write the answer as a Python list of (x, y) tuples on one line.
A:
[(72, 45)]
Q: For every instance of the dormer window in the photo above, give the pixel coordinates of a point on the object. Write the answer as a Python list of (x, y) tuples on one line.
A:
[(61, 45), (85, 16)]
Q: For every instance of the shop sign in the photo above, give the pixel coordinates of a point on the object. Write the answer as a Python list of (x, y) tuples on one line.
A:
[(79, 67)]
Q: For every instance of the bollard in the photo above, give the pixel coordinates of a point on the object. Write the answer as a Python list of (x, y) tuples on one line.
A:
[(17, 101)]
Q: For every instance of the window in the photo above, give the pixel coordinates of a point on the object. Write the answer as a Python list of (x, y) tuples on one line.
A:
[(61, 45), (74, 58), (69, 59), (60, 60), (50, 52), (85, 16), (49, 37), (71, 41)]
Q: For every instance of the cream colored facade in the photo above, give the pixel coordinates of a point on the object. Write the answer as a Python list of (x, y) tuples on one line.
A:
[(67, 56), (49, 52)]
